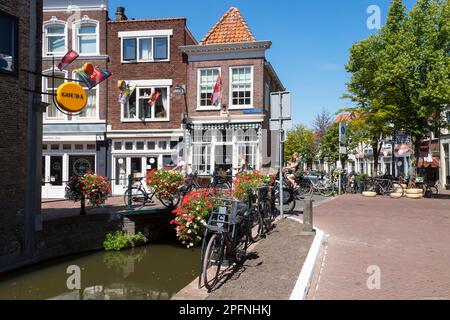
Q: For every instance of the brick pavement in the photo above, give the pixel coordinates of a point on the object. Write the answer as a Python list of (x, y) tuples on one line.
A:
[(407, 239)]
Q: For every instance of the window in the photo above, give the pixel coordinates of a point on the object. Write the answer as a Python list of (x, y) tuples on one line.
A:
[(91, 147), (138, 105), (207, 80), (241, 86), (90, 111), (140, 145), (50, 85), (55, 146), (201, 159), (86, 38), (79, 147), (128, 145), (8, 43), (161, 48), (145, 49), (118, 145), (151, 145), (129, 49), (162, 145), (55, 38)]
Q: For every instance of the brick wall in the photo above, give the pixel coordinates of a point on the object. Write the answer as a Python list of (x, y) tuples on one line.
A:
[(101, 61), (14, 105), (258, 84), (175, 69)]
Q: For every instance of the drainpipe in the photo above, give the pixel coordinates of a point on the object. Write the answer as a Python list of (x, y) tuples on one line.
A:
[(33, 219)]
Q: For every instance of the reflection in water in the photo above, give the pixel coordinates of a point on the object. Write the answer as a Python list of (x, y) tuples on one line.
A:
[(154, 272)]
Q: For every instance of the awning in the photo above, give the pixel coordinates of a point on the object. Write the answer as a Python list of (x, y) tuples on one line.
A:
[(435, 163)]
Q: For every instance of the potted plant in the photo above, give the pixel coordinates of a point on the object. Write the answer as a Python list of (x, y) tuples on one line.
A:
[(166, 184), (91, 188), (248, 180), (191, 216)]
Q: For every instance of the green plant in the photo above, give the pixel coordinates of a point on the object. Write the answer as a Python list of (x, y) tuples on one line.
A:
[(122, 240), (191, 216)]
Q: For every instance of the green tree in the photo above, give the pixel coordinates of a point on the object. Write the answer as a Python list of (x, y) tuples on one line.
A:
[(301, 140)]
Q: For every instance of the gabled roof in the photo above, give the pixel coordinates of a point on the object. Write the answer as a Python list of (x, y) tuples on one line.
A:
[(231, 28)]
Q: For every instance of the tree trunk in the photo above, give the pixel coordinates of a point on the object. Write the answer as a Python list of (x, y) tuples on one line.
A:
[(376, 155)]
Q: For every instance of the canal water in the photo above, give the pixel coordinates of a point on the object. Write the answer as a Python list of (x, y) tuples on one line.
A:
[(153, 272)]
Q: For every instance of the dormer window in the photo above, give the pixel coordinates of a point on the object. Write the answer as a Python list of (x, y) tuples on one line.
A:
[(55, 41)]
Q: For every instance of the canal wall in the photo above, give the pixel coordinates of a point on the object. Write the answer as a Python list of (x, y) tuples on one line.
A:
[(75, 234)]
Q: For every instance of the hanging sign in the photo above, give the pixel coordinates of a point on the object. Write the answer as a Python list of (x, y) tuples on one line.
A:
[(71, 97)]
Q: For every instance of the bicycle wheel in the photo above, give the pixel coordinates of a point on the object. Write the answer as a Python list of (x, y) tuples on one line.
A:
[(288, 200), (170, 200), (267, 215), (212, 261), (305, 189), (255, 226), (135, 198)]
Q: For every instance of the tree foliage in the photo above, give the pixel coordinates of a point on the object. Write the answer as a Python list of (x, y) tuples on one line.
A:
[(303, 141), (401, 75)]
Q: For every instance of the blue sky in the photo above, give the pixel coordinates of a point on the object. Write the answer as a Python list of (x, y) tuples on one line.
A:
[(311, 39)]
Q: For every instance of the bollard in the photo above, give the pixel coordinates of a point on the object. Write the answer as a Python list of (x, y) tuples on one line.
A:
[(308, 226)]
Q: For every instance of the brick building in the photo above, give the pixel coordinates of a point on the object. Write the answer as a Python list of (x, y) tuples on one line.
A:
[(221, 136), (146, 55), (20, 143), (73, 144)]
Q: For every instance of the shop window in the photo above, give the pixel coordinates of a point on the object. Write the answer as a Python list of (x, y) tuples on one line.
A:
[(79, 147), (117, 145), (162, 145), (55, 147), (151, 145), (168, 162), (8, 43), (139, 145), (91, 147), (67, 146), (128, 146), (80, 165)]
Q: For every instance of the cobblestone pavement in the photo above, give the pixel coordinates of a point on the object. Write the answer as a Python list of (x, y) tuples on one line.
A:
[(406, 240)]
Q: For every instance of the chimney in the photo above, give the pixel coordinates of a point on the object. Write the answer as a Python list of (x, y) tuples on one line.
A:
[(120, 14)]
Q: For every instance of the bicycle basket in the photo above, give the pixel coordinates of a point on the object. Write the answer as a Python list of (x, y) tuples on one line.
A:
[(225, 214)]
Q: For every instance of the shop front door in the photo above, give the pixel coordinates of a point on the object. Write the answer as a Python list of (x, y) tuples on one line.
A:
[(53, 185)]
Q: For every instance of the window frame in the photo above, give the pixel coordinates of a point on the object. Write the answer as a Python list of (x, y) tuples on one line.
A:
[(137, 96), (45, 26), (199, 106), (76, 35), (252, 85), (49, 99), (97, 103), (15, 45), (137, 38)]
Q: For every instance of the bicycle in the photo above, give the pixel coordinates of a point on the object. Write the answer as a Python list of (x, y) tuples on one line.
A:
[(266, 211), (227, 237), (384, 187), (325, 187), (136, 198), (430, 191)]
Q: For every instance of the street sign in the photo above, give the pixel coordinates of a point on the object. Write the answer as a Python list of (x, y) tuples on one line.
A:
[(343, 150), (278, 99), (342, 132), (275, 125)]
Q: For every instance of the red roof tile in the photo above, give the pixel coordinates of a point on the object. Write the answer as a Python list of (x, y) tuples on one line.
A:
[(231, 28)]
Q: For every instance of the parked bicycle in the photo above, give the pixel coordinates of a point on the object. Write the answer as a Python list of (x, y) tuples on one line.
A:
[(384, 187), (228, 234), (136, 197)]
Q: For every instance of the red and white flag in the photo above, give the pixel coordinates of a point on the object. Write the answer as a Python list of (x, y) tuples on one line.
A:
[(153, 98), (216, 97), (70, 57)]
